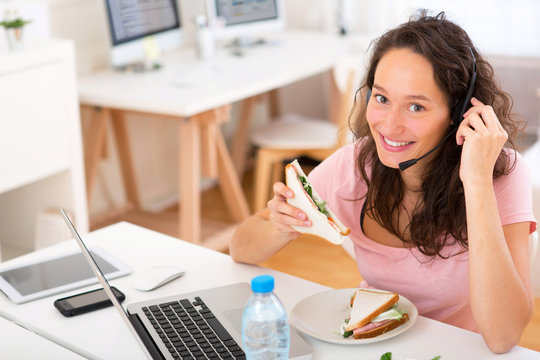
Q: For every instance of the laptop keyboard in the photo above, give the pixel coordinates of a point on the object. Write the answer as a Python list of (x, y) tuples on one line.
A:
[(191, 331)]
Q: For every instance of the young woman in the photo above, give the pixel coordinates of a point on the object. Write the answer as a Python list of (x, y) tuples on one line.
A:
[(449, 232)]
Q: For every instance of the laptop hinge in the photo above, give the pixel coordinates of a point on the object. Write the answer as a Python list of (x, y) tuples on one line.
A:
[(145, 337)]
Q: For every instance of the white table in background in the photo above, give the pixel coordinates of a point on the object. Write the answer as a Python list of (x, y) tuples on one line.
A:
[(102, 334), (199, 104)]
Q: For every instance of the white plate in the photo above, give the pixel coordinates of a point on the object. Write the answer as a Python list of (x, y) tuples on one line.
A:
[(322, 314)]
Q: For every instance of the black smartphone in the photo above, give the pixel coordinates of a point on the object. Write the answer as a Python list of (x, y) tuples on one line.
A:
[(86, 302)]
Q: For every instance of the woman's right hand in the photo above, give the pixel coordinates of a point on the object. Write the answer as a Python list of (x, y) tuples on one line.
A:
[(284, 215)]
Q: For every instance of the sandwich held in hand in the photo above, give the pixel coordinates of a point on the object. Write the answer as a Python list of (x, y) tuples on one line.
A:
[(373, 313), (325, 223)]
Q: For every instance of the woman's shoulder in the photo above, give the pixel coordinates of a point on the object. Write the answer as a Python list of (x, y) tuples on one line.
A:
[(343, 160), (335, 163), (513, 191), (516, 169), (339, 170), (515, 182), (347, 153)]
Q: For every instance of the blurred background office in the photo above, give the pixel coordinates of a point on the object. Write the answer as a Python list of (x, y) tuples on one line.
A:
[(506, 32)]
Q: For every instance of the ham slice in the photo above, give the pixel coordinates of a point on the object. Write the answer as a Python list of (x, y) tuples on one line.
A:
[(375, 329), (370, 326)]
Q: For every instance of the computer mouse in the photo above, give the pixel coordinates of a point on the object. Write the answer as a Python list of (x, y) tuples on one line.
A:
[(156, 277)]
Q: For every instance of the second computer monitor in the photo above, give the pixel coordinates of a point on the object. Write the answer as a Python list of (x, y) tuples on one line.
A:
[(245, 18)]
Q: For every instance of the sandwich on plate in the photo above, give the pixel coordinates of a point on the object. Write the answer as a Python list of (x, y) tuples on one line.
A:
[(373, 313), (325, 223)]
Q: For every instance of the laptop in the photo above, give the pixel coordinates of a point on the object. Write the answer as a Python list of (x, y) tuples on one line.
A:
[(205, 324)]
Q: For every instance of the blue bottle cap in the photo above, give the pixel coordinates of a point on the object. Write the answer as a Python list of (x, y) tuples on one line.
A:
[(262, 284)]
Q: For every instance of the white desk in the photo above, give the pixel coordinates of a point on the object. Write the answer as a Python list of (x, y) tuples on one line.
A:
[(199, 108), (21, 344), (102, 334)]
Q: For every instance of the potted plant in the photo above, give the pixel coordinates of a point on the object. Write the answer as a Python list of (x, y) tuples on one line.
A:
[(14, 25)]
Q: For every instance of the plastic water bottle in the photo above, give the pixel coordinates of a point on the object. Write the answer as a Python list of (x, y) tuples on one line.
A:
[(265, 328)]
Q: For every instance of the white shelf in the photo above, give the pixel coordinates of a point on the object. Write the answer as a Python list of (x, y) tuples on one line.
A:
[(41, 159)]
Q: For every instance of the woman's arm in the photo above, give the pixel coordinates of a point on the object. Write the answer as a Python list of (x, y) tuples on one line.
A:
[(262, 235), (499, 274)]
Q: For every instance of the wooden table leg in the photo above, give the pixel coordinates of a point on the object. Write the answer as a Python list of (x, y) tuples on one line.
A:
[(189, 180), (230, 183), (240, 140), (273, 103), (93, 145), (208, 148), (124, 153)]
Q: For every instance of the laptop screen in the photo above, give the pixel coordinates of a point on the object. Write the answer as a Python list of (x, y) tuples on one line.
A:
[(99, 274)]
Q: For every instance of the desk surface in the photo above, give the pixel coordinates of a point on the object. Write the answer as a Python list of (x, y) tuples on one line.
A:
[(24, 344), (288, 57), (102, 334)]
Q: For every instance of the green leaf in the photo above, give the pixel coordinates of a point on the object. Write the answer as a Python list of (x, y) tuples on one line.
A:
[(17, 23), (388, 356), (393, 314), (346, 334), (321, 205)]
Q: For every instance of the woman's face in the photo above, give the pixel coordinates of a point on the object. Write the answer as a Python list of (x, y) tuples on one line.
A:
[(407, 112)]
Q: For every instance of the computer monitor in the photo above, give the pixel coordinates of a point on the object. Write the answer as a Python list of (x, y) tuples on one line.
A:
[(245, 18), (131, 21)]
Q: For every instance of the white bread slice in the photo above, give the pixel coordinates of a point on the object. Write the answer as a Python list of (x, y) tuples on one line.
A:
[(333, 231), (367, 304)]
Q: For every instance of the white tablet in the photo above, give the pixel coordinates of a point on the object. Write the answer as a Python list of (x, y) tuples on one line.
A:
[(55, 274)]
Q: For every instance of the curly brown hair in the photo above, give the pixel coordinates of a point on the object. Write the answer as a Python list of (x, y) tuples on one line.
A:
[(439, 220)]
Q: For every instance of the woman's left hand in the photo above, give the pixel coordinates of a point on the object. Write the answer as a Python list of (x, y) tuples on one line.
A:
[(482, 137)]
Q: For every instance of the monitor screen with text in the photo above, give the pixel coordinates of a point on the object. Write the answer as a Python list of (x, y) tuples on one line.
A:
[(135, 19), (245, 11)]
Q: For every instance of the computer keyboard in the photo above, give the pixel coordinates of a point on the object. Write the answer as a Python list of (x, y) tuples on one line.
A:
[(189, 330)]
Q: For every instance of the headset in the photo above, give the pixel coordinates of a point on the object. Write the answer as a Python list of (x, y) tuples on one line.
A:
[(457, 116)]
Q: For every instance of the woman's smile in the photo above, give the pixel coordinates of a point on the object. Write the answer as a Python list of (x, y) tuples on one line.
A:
[(396, 146)]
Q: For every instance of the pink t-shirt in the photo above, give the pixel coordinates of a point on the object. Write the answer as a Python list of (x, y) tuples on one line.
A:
[(438, 288)]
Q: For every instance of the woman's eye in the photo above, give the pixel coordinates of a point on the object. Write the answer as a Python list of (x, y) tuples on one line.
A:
[(416, 108), (381, 99)]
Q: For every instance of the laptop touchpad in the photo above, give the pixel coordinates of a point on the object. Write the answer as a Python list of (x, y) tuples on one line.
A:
[(235, 318)]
